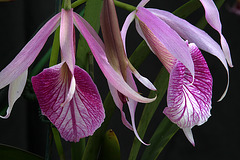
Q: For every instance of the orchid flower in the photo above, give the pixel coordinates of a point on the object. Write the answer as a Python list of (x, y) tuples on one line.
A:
[(117, 57), (65, 92), (190, 84)]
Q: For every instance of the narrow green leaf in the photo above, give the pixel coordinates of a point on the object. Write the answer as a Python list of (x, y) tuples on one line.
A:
[(77, 149), (77, 3), (188, 8), (12, 153), (55, 48), (143, 50), (110, 148), (40, 65), (125, 6), (160, 138)]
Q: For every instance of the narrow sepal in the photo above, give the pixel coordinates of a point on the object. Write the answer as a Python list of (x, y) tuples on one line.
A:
[(15, 90), (28, 54), (66, 38), (158, 35), (213, 18)]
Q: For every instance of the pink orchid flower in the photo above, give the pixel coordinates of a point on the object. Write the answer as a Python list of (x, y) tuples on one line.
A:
[(66, 94), (117, 57), (190, 84)]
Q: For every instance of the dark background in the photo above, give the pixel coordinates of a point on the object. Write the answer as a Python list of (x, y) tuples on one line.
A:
[(218, 138)]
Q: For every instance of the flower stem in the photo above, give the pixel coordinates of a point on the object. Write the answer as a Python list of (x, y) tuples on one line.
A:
[(67, 4), (58, 143), (77, 3), (55, 48), (125, 6)]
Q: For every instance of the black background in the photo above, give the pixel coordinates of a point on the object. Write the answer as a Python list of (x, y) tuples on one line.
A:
[(218, 138)]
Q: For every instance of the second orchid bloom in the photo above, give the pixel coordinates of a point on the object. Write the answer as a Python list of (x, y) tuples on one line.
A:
[(190, 84)]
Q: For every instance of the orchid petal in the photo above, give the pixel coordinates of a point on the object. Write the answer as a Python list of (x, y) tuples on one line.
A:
[(213, 18), (158, 33), (82, 115), (189, 103), (194, 35), (119, 104), (125, 27), (143, 3), (143, 80), (14, 92), (132, 107), (66, 38), (28, 54), (167, 59), (189, 135), (98, 51)]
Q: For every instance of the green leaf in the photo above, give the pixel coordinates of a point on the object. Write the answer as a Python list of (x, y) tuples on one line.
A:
[(12, 153), (143, 50), (165, 131), (110, 149), (188, 8), (55, 48), (77, 149)]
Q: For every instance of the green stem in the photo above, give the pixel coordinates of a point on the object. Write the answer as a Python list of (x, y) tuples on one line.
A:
[(58, 143), (55, 48), (125, 6), (67, 5), (77, 3)]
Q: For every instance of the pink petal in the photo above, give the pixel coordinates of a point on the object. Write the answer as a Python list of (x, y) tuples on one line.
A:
[(28, 54), (97, 49), (161, 37), (189, 103), (14, 92), (82, 115), (125, 27), (212, 17), (119, 104), (132, 108), (189, 135), (194, 35), (66, 38), (143, 3)]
